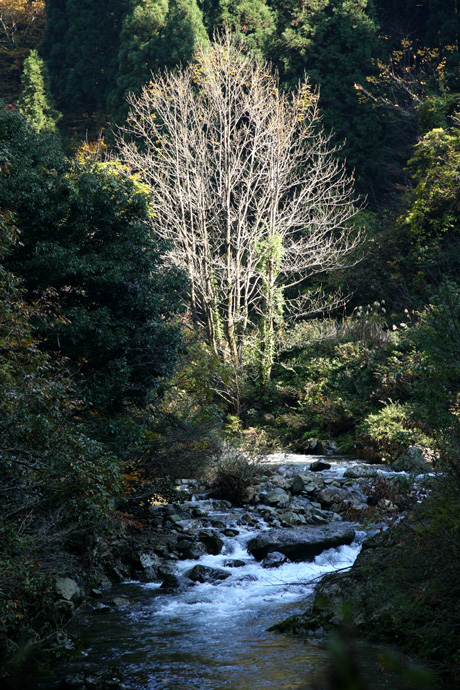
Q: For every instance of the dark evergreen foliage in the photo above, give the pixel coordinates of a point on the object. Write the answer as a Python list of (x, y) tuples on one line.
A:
[(334, 43), (85, 234), (252, 21), (156, 34), (81, 47)]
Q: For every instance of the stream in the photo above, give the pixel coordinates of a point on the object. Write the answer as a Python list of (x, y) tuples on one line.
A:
[(214, 635)]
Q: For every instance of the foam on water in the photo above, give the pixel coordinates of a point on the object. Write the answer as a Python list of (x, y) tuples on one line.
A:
[(251, 586), (286, 461)]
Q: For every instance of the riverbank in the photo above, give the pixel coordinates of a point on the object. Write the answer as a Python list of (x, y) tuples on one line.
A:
[(403, 589)]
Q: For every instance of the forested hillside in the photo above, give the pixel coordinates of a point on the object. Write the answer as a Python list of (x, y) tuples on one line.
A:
[(221, 223)]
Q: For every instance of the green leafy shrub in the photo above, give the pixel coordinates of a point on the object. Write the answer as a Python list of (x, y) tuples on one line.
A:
[(387, 433)]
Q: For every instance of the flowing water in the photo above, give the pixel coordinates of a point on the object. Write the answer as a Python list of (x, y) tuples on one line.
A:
[(214, 636)]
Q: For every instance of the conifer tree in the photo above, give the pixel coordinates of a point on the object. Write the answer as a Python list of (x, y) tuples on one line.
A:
[(333, 42), (252, 21), (81, 50), (36, 101), (155, 35)]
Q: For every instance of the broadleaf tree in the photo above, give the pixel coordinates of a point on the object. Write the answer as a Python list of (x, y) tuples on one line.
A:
[(246, 187), (85, 235)]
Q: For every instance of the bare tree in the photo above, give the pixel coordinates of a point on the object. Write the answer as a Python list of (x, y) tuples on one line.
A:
[(246, 187)]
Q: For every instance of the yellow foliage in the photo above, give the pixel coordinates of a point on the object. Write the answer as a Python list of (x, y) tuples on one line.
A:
[(22, 26)]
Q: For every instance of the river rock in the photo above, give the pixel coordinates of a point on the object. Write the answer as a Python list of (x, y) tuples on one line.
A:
[(274, 560), (149, 560), (247, 578), (67, 589), (300, 503), (212, 542), (148, 564), (218, 524), (203, 573), (280, 482), (301, 544), (297, 484), (73, 682), (198, 512), (335, 495), (176, 512), (310, 445), (311, 487), (291, 518), (276, 497), (328, 446), (100, 607), (221, 504), (174, 583), (194, 552), (174, 518), (161, 550), (319, 466), (360, 472), (166, 569), (318, 519), (64, 607), (234, 563), (120, 601)]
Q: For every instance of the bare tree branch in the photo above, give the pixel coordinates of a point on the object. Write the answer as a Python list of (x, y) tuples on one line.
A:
[(245, 186)]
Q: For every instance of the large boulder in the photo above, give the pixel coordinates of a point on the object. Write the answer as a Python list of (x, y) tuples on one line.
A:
[(203, 573), (302, 543), (416, 459)]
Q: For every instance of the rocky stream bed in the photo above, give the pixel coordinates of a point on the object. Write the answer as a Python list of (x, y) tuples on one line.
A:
[(198, 591)]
